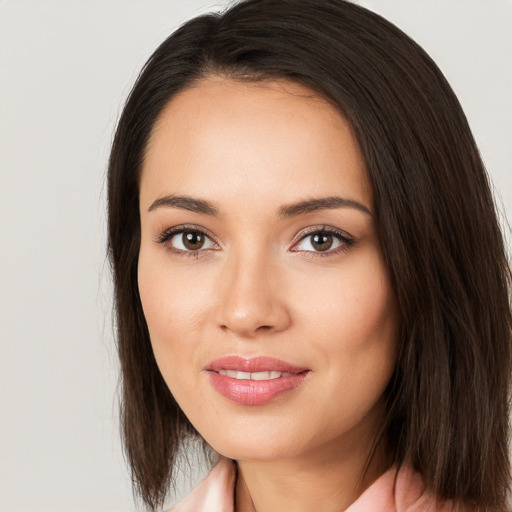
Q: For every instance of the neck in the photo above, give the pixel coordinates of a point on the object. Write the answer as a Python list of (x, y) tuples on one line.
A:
[(330, 479)]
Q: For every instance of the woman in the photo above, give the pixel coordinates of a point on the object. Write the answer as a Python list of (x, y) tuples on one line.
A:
[(309, 273)]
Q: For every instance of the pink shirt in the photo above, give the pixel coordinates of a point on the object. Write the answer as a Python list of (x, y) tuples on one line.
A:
[(391, 492)]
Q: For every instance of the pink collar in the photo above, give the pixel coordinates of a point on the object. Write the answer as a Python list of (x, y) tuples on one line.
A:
[(391, 492)]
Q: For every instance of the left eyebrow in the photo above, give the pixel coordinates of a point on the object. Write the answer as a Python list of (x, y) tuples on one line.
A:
[(186, 203), (323, 203)]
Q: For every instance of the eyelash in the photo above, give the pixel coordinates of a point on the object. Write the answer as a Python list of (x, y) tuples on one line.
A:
[(171, 232), (346, 241)]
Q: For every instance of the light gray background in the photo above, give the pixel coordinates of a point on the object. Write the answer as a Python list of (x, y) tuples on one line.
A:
[(65, 69)]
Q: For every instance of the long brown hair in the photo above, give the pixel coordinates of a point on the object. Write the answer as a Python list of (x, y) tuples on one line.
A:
[(448, 401)]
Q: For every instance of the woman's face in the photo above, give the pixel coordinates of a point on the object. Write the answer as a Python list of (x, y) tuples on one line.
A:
[(261, 277)]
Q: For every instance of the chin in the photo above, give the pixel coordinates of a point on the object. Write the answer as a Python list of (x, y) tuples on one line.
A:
[(255, 452), (258, 444)]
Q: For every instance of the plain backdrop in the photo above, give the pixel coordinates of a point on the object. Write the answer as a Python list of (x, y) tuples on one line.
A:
[(66, 67)]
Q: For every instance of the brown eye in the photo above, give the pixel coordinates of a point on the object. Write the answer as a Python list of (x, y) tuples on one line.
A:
[(190, 241), (193, 240), (322, 241)]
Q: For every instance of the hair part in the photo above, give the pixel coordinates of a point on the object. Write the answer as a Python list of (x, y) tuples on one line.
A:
[(448, 401)]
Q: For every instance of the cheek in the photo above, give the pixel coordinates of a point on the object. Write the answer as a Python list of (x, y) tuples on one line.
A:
[(352, 308), (351, 320), (174, 305), (170, 298)]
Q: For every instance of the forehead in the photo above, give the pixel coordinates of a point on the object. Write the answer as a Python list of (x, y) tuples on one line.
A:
[(227, 136), (213, 94)]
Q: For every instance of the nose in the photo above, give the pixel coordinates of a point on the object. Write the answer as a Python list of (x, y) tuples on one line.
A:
[(251, 299)]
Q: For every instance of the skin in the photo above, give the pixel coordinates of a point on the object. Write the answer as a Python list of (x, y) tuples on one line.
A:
[(259, 287)]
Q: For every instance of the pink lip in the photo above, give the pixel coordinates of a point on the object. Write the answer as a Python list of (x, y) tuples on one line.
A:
[(253, 392), (254, 364)]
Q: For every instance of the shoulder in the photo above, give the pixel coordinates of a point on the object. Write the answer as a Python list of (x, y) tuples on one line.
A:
[(400, 490), (215, 493), (395, 491)]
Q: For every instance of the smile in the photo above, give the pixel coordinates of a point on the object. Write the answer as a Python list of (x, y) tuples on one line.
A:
[(255, 381), (235, 374)]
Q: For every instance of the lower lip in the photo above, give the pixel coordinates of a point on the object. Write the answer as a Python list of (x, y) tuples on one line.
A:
[(254, 392)]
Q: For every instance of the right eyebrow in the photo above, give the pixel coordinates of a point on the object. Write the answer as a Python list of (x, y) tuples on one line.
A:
[(185, 203), (321, 203)]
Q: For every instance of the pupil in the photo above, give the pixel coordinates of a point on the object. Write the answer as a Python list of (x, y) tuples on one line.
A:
[(193, 240), (322, 241)]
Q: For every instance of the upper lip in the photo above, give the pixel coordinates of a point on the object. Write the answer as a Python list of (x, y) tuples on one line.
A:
[(253, 364)]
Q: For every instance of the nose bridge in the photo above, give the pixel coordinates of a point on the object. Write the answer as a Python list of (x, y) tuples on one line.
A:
[(249, 300)]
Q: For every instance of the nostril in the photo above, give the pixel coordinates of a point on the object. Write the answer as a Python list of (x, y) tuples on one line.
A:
[(261, 328)]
